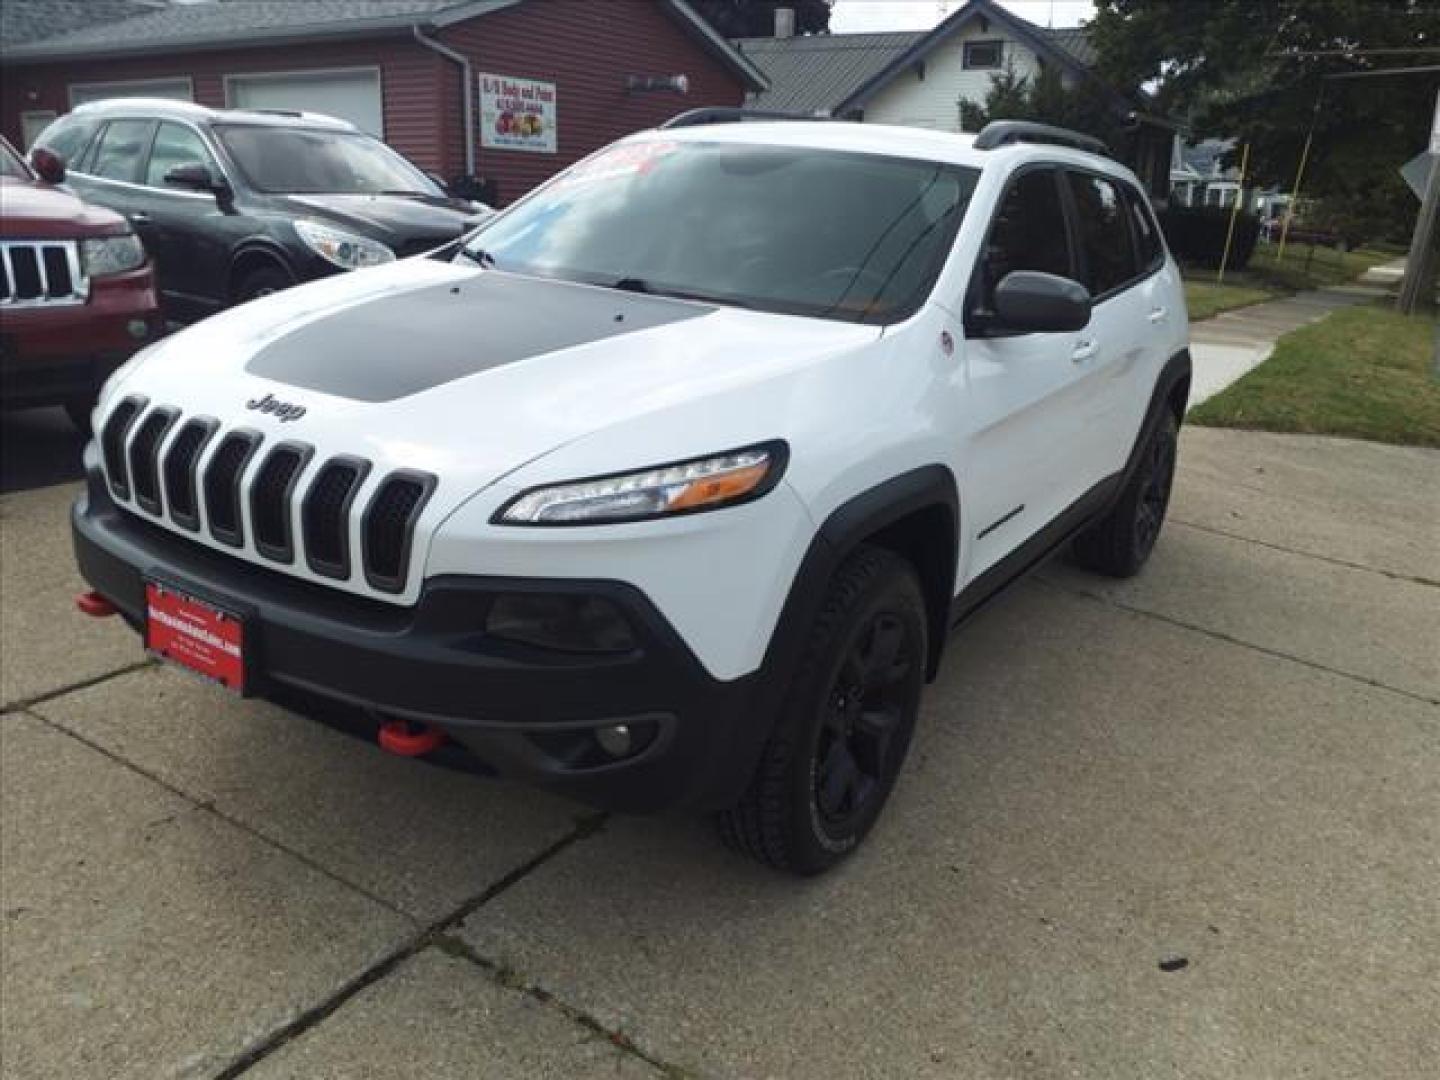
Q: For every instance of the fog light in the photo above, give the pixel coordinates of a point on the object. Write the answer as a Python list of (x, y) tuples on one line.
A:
[(139, 329), (585, 624), (615, 739)]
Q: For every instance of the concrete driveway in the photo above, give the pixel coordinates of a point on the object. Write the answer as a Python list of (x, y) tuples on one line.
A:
[(1187, 825)]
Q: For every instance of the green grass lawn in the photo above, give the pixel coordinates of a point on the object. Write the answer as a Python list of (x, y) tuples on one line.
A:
[(1366, 372), (1264, 279)]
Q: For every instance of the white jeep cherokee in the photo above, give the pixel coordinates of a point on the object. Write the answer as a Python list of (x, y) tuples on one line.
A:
[(665, 488)]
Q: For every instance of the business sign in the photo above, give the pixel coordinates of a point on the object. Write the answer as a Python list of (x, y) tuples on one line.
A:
[(517, 114)]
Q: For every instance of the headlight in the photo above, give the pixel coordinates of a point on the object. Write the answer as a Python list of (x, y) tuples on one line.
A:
[(684, 488), (345, 250), (111, 255)]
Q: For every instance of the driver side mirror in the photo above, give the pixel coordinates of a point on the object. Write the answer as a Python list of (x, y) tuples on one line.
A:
[(1030, 302), (48, 165), (194, 176)]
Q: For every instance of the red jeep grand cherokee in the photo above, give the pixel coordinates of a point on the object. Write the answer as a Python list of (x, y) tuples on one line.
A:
[(77, 294)]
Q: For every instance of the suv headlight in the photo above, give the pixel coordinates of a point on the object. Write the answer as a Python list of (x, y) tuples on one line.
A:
[(345, 250), (664, 491), (105, 255)]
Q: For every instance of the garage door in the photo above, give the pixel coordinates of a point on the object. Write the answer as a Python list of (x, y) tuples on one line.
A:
[(175, 89), (350, 95)]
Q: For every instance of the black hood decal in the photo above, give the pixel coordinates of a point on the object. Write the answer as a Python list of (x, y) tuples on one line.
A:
[(394, 346)]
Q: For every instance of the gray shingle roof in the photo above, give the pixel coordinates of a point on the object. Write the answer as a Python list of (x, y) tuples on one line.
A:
[(31, 20), (222, 20), (815, 73)]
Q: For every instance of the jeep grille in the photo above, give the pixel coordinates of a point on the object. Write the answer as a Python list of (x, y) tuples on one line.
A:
[(162, 464)]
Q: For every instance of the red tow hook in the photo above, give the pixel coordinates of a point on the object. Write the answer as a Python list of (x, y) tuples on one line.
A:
[(95, 605), (409, 739)]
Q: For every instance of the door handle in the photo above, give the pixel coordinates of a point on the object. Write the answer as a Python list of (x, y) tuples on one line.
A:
[(1084, 350), (1159, 314), (139, 217)]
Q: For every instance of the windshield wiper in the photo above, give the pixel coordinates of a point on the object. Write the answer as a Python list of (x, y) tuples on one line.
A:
[(641, 285), (479, 256)]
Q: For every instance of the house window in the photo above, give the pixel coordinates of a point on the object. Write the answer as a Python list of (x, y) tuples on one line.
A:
[(984, 55)]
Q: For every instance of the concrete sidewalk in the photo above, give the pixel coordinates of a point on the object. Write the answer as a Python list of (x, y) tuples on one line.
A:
[(1223, 348), (1231, 760)]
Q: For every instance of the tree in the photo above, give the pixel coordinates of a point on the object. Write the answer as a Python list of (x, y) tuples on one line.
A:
[(1256, 72), (756, 18), (1046, 99)]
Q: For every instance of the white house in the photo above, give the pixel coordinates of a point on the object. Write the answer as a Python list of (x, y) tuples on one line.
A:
[(920, 79)]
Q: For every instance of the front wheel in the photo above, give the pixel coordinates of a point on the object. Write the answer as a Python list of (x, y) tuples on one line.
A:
[(1119, 543), (846, 723), (262, 282)]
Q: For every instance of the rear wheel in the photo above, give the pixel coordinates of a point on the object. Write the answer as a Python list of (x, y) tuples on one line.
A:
[(1120, 542), (262, 282), (846, 724)]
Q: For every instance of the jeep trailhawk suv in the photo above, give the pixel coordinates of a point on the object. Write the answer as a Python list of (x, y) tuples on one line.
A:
[(665, 487)]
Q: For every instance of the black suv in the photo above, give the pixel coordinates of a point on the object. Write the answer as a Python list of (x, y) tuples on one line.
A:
[(233, 204)]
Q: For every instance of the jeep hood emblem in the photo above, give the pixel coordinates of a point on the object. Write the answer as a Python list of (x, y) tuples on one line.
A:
[(283, 410)]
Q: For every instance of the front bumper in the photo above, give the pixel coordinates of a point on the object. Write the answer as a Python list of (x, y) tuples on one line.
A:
[(53, 353), (527, 713)]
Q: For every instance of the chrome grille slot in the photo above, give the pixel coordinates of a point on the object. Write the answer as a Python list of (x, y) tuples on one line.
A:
[(36, 272), (179, 472), (325, 515), (270, 500), (145, 458), (222, 486), (112, 444), (388, 526)]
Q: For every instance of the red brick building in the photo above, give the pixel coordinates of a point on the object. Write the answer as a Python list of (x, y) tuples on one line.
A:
[(446, 82)]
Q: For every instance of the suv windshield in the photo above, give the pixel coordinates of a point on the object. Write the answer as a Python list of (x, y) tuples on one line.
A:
[(306, 161), (812, 232), (11, 164)]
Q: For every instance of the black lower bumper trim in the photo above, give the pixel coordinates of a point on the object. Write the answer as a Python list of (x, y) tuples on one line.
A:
[(527, 713)]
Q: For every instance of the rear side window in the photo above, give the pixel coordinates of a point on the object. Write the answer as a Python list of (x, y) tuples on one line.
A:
[(1148, 246), (68, 137), (122, 148), (175, 145), (1028, 233), (1100, 221)]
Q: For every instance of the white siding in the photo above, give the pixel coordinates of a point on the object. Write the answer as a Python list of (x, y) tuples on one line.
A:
[(934, 101)]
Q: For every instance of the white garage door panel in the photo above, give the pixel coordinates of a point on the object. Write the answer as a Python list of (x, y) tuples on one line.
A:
[(350, 95), (174, 89)]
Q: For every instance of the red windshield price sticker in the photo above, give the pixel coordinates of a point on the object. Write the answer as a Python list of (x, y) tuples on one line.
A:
[(195, 636)]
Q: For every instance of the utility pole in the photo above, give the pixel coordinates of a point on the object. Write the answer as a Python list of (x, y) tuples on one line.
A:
[(1422, 244)]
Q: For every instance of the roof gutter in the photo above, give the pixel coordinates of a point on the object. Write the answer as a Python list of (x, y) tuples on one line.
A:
[(467, 91)]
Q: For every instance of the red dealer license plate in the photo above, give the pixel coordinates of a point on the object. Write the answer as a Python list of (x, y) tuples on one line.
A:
[(195, 635)]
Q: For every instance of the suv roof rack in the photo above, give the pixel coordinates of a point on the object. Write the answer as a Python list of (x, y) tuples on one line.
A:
[(722, 115), (999, 133)]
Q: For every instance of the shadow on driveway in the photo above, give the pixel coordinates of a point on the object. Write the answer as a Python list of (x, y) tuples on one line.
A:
[(38, 447)]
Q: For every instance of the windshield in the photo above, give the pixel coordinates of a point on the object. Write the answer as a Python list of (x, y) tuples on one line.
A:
[(11, 164), (810, 232), (304, 161)]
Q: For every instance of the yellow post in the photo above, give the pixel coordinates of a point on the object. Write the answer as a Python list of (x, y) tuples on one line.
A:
[(1294, 195), (1234, 213)]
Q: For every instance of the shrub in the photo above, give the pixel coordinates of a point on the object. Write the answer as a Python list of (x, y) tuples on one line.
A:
[(1196, 235)]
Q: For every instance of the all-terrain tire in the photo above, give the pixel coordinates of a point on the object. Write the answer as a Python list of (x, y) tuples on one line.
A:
[(1119, 543), (793, 814)]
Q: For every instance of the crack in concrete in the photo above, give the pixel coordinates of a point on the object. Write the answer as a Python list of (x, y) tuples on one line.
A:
[(436, 933), (84, 684), (1220, 635), (209, 806), (1394, 575), (511, 980)]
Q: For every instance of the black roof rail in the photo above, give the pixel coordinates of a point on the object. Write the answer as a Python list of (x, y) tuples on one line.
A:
[(721, 115), (999, 133)]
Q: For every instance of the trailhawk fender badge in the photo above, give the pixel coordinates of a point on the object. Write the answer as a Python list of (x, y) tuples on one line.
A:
[(282, 410)]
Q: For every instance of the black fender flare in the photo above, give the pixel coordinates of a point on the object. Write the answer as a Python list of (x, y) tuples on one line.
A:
[(257, 245), (1174, 377), (929, 487)]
